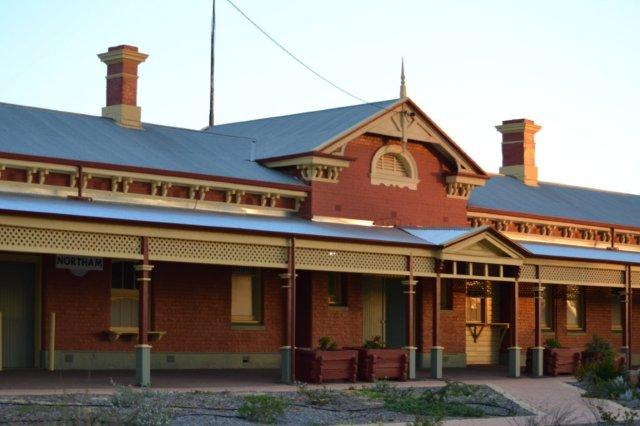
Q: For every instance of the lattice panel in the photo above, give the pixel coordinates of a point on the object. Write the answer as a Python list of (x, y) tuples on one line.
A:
[(581, 275), (528, 273), (36, 240), (348, 261), (217, 252), (424, 265), (635, 279)]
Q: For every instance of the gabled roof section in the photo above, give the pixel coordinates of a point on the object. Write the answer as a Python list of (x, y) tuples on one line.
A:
[(406, 119), (84, 138), (508, 195), (326, 131), (469, 243), (301, 133)]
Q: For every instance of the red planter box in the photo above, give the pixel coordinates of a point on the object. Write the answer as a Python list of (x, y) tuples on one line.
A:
[(375, 364), (561, 361), (316, 366)]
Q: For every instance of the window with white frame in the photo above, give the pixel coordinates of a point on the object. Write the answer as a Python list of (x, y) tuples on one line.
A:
[(246, 296), (393, 165)]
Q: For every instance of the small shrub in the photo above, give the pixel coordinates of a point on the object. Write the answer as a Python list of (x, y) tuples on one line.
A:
[(263, 408), (326, 343), (552, 344), (126, 397), (600, 348), (603, 370), (375, 343), (132, 407), (456, 389), (317, 397)]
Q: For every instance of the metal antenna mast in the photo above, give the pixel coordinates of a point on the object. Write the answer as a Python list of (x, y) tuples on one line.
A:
[(213, 38)]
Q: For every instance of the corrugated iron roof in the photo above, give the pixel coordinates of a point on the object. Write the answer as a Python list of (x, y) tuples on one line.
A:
[(301, 133), (509, 194), (442, 236), (199, 218), (584, 253), (78, 137)]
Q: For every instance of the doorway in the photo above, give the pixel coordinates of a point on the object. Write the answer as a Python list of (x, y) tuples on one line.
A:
[(17, 304), (486, 322), (384, 310)]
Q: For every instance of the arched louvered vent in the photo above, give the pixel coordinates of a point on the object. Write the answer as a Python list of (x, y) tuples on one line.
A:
[(393, 164)]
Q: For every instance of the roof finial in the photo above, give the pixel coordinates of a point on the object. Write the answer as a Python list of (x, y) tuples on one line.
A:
[(403, 88)]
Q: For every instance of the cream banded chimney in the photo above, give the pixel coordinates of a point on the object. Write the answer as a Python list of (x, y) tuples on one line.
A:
[(122, 85), (519, 150)]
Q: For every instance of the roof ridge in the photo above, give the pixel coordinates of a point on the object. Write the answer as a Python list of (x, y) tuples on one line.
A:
[(305, 112), (81, 114)]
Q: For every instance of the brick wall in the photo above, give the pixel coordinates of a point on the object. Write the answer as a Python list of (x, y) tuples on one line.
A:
[(190, 302), (345, 326), (81, 305), (598, 319), (354, 196), (452, 322)]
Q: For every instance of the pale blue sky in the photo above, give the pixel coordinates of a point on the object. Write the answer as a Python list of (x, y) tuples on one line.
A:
[(572, 66)]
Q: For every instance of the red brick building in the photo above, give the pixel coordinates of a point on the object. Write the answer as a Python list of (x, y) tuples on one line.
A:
[(133, 244)]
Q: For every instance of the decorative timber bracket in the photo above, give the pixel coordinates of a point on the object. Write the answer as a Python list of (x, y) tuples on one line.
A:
[(460, 186), (313, 167)]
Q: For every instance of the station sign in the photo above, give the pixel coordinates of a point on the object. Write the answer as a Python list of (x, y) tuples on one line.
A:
[(79, 263)]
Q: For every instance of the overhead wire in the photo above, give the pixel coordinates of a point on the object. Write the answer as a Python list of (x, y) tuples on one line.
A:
[(300, 61)]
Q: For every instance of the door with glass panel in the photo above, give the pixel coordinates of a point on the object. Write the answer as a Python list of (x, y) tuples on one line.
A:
[(484, 328)]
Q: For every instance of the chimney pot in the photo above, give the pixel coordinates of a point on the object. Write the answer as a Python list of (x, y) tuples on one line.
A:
[(519, 150), (122, 85)]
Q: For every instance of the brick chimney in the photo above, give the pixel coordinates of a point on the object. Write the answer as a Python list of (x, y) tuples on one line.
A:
[(519, 150), (122, 85)]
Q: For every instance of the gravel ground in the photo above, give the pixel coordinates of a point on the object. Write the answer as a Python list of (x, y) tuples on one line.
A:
[(201, 408)]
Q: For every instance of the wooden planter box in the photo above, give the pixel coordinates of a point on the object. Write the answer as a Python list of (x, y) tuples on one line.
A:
[(376, 364), (561, 361), (316, 366)]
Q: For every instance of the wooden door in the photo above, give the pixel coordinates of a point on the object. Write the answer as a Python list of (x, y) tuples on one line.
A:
[(17, 294), (395, 314), (482, 338), (373, 308)]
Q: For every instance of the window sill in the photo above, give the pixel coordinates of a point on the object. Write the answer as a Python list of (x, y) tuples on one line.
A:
[(576, 332), (255, 327), (616, 330), (338, 308)]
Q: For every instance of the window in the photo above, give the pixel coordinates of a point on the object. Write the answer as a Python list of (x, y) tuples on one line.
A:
[(337, 289), (575, 308), (446, 295), (124, 295), (617, 308), (475, 308), (246, 296), (393, 165), (547, 319)]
